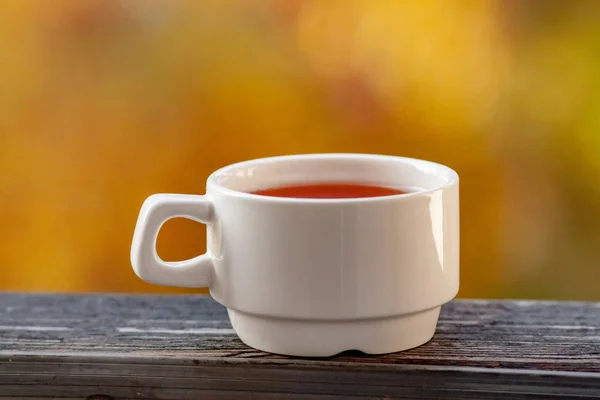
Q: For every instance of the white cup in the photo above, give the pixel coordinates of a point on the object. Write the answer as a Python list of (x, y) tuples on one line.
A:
[(315, 277)]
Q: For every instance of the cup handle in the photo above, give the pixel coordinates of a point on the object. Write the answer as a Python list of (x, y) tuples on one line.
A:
[(156, 210)]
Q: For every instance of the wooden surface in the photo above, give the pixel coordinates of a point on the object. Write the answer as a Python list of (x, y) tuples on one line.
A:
[(182, 347)]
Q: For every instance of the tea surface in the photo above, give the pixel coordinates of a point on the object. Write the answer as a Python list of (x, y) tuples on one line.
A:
[(330, 191)]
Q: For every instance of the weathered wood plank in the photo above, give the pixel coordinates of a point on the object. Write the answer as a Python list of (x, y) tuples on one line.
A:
[(182, 347)]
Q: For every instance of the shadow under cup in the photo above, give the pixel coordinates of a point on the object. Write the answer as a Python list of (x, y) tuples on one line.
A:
[(315, 277)]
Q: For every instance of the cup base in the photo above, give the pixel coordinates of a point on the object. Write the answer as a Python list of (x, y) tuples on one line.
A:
[(317, 338)]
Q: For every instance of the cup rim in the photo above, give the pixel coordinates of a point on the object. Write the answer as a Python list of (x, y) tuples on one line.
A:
[(440, 169)]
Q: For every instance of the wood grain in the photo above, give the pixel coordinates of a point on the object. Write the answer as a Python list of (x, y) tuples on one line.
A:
[(183, 347)]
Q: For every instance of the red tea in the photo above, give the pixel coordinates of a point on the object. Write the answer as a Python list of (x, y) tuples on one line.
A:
[(330, 191)]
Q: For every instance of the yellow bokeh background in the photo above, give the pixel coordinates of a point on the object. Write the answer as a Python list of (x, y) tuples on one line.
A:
[(104, 102)]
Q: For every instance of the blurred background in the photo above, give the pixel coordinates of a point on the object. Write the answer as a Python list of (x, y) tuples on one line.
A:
[(104, 102)]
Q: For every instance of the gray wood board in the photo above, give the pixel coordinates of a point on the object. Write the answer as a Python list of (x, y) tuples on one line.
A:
[(183, 347)]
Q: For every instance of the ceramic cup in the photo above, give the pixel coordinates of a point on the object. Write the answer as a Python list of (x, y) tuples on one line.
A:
[(315, 277)]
